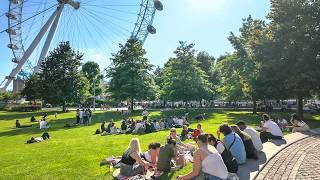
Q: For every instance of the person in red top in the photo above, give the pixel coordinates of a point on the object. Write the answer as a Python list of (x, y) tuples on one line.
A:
[(197, 131)]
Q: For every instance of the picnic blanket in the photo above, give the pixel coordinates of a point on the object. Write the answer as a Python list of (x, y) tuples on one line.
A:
[(116, 174)]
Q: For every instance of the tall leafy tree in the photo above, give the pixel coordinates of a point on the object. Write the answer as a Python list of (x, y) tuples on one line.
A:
[(249, 52), (60, 79), (129, 74), (31, 90), (91, 71), (296, 29), (230, 86), (206, 62), (183, 79), (158, 73)]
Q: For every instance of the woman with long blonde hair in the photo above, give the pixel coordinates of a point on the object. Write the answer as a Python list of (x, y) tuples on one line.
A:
[(131, 162)]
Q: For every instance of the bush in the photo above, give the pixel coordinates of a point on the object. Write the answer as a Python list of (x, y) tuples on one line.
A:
[(24, 108)]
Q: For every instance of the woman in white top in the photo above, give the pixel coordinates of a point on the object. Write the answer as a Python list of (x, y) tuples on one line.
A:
[(207, 162), (298, 125)]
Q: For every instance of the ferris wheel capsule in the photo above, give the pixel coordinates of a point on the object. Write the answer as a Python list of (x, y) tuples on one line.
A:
[(11, 16), (13, 46), (15, 1), (15, 60), (11, 31), (151, 29), (158, 5)]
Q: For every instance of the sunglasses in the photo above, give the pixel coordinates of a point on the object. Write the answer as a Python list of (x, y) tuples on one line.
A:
[(172, 131)]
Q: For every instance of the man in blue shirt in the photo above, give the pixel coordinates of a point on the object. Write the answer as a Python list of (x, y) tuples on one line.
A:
[(233, 142)]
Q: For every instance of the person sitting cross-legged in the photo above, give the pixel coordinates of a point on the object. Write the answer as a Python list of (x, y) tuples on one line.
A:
[(166, 154), (197, 131), (233, 142), (131, 162), (33, 119), (270, 129), (18, 125), (228, 159), (207, 162), (152, 154), (44, 124), (252, 133), (251, 151), (297, 124)]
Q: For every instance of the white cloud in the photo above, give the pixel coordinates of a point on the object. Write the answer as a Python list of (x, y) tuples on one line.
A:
[(205, 7), (96, 56)]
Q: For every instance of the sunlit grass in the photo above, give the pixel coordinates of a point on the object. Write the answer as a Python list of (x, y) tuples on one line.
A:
[(75, 153)]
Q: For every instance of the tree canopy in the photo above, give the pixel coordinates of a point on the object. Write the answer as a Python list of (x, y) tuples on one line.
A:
[(129, 74), (59, 77), (183, 79)]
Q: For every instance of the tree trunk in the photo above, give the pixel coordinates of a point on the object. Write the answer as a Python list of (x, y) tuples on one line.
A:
[(131, 104), (200, 103), (64, 107), (186, 105), (254, 109), (300, 107)]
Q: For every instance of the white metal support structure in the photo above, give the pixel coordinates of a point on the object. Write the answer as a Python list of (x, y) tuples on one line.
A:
[(49, 38), (52, 23)]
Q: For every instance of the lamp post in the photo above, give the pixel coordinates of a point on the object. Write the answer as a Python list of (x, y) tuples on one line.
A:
[(94, 95)]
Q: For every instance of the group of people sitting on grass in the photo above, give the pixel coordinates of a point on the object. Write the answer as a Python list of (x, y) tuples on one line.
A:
[(129, 126), (213, 159), (43, 124)]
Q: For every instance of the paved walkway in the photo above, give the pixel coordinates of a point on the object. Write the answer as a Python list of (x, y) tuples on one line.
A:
[(300, 160), (288, 156)]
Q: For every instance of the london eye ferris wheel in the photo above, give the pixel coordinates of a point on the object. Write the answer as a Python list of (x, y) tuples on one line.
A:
[(34, 26)]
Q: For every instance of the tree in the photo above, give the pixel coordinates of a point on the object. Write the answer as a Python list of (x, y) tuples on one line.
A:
[(8, 96), (249, 52), (130, 74), (230, 83), (296, 44), (60, 79), (91, 71), (32, 88), (206, 62), (183, 78), (158, 76)]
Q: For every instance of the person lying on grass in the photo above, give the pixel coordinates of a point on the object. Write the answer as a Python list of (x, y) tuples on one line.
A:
[(131, 162), (44, 136), (207, 162)]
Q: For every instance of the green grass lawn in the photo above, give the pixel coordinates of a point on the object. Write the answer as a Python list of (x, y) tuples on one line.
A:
[(75, 153)]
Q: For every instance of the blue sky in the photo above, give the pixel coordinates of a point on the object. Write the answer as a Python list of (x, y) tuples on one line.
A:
[(207, 23)]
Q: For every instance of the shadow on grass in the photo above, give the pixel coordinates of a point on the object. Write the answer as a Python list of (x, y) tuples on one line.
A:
[(8, 116)]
